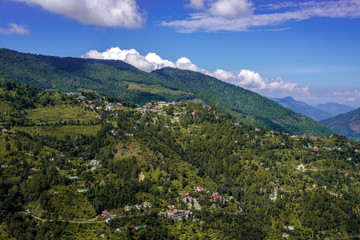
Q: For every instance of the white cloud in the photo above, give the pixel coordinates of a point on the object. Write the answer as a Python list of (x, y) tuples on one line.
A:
[(245, 78), (351, 98), (110, 13), (147, 63), (252, 80), (231, 8), (232, 15), (14, 29), (196, 4)]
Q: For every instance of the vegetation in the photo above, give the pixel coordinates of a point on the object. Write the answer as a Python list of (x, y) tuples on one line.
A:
[(119, 79), (347, 124), (58, 176)]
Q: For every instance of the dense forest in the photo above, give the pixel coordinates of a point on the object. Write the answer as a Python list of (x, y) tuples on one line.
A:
[(119, 79), (81, 165)]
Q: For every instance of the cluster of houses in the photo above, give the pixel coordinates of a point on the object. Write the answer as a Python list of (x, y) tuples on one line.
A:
[(214, 197), (138, 206), (177, 214), (157, 109), (290, 228)]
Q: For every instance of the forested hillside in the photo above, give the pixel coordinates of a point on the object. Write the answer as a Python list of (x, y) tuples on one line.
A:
[(80, 165), (250, 107), (119, 79), (347, 124)]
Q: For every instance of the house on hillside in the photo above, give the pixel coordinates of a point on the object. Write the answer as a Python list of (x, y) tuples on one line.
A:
[(187, 199), (120, 230), (140, 227), (106, 214), (94, 162), (128, 208), (199, 189), (138, 206), (82, 190), (147, 205)]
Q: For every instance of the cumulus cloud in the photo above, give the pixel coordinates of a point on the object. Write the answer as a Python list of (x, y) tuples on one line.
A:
[(14, 29), (230, 8), (147, 63), (110, 13), (245, 78), (233, 15), (252, 80)]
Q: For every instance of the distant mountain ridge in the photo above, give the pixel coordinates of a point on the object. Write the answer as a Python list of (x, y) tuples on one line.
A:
[(334, 108), (347, 124), (303, 108), (119, 79)]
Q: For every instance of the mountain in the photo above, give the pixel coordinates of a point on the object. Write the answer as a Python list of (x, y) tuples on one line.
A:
[(87, 166), (119, 79), (334, 108), (303, 108), (347, 124)]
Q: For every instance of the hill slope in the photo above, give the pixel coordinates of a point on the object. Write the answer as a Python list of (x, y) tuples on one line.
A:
[(347, 124), (334, 108), (245, 183), (303, 108), (120, 79), (251, 107), (107, 77)]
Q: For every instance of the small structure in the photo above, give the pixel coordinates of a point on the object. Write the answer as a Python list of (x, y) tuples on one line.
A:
[(7, 131), (82, 190), (138, 206), (147, 205), (291, 228), (56, 192), (128, 208), (106, 214), (113, 132), (129, 134), (140, 227), (171, 206), (73, 177), (94, 162), (285, 235), (187, 199), (120, 230), (199, 189)]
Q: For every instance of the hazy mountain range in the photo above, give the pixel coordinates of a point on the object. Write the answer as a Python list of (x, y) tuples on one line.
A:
[(318, 113)]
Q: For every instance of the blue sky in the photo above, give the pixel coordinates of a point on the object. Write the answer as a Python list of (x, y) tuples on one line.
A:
[(306, 49)]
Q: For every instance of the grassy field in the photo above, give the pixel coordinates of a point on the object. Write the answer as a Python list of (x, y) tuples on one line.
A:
[(60, 131), (154, 89), (61, 113)]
